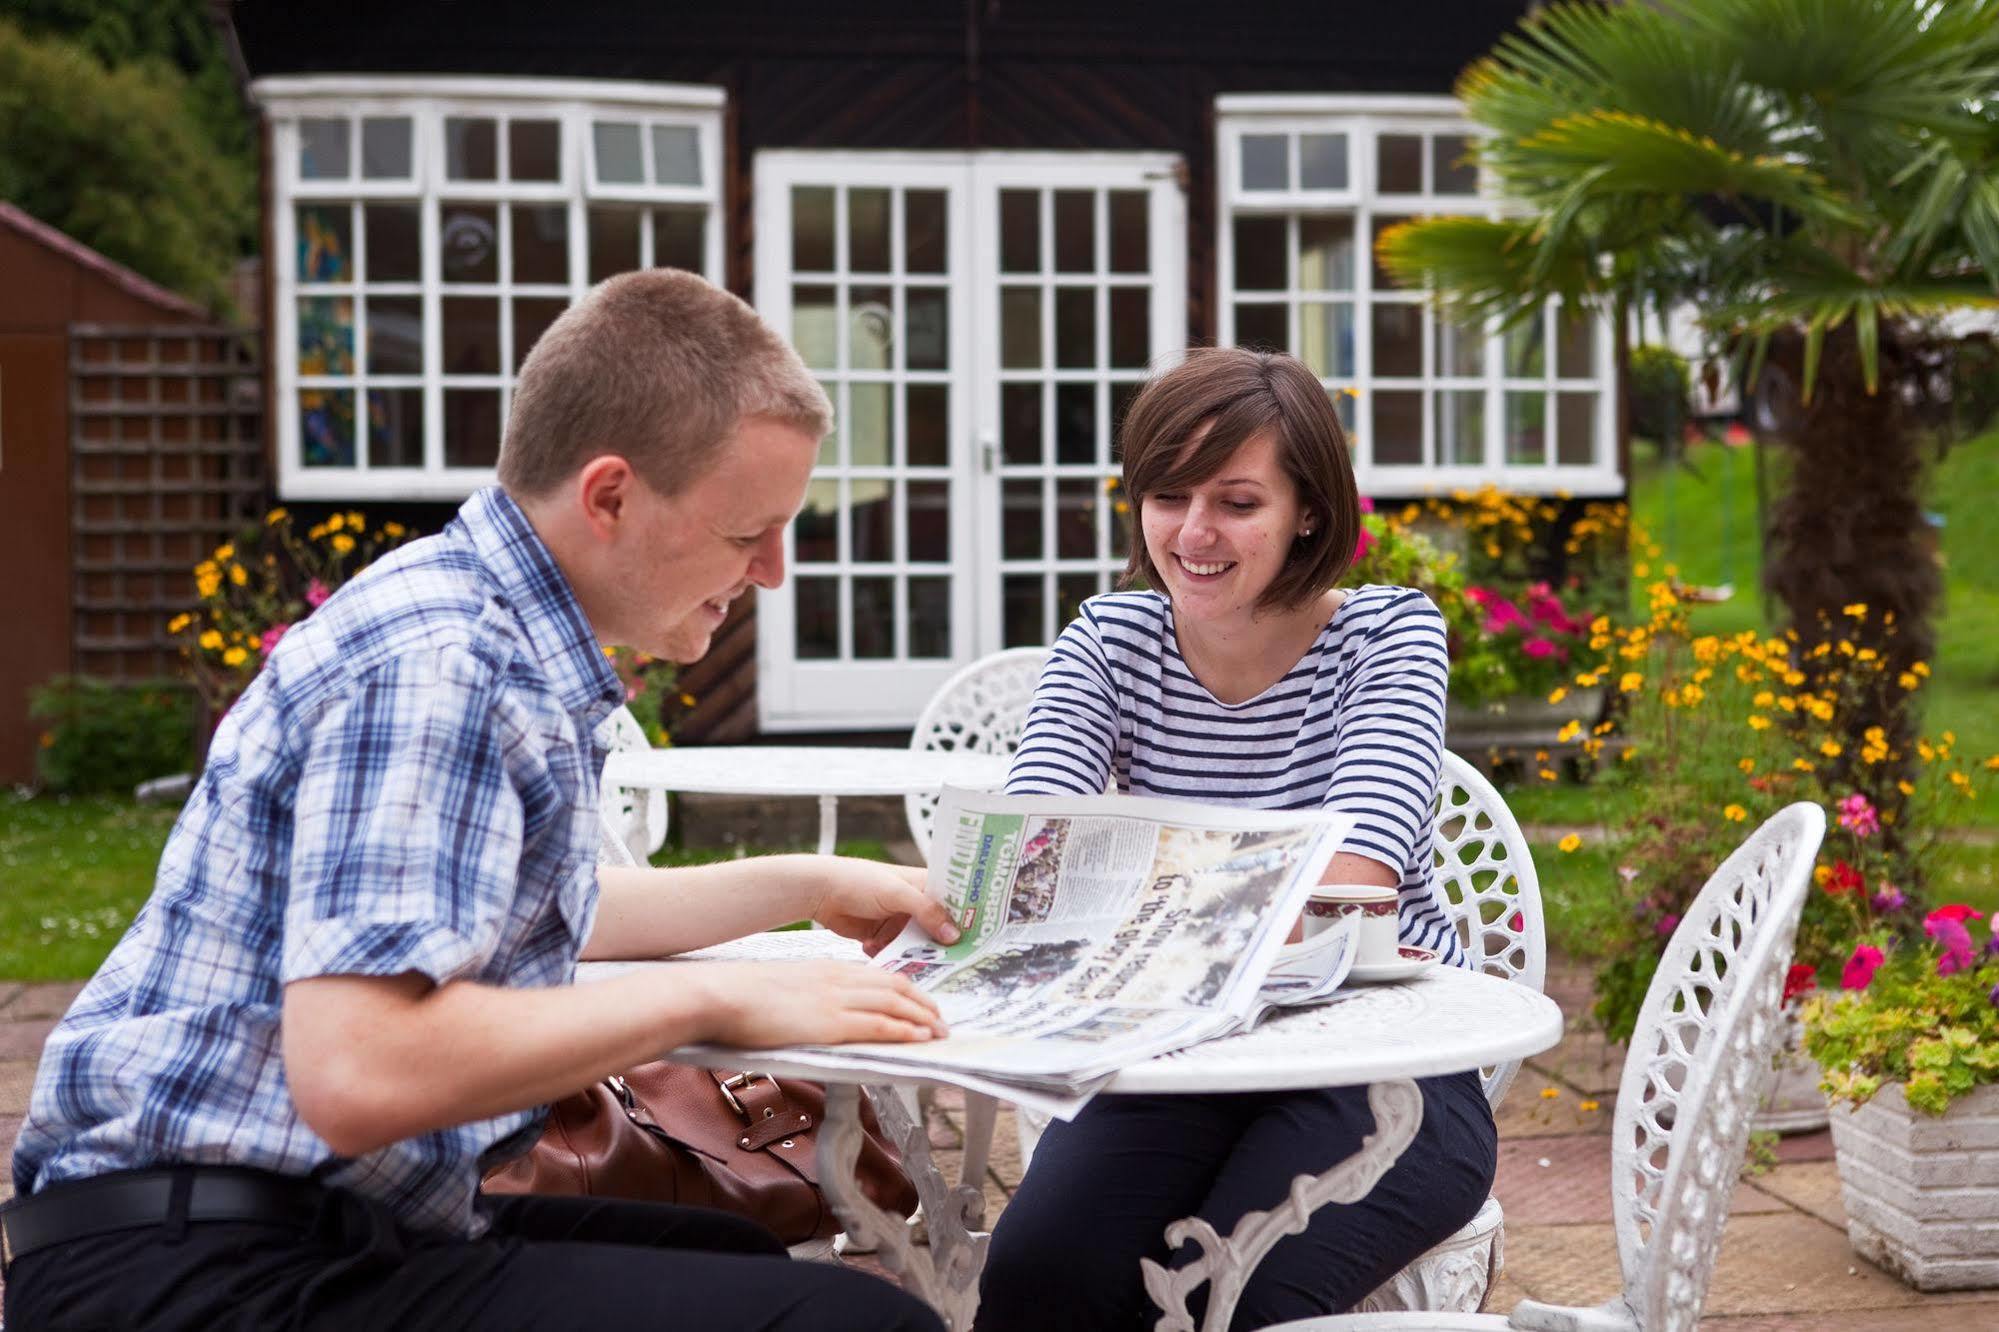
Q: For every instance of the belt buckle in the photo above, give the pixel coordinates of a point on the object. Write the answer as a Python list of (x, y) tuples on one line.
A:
[(743, 1080)]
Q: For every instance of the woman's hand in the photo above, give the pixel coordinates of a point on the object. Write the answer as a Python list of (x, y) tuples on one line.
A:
[(758, 1005), (871, 901)]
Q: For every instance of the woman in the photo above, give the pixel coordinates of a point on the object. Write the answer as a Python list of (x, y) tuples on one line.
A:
[(1243, 677)]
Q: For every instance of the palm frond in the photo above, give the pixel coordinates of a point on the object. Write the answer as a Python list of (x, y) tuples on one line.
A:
[(1481, 266)]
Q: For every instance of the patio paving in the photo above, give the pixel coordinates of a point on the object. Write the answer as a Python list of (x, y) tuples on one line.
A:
[(1785, 1263)]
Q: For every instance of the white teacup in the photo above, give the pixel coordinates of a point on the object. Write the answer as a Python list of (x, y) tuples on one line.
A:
[(1378, 934)]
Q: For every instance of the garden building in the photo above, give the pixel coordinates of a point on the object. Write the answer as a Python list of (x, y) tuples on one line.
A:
[(979, 223)]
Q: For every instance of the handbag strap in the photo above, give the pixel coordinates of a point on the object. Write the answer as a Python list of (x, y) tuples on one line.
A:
[(759, 1101)]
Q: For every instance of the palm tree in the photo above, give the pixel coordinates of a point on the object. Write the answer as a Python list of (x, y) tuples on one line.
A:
[(1819, 179)]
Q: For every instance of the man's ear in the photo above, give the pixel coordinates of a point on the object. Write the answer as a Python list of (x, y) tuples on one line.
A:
[(605, 488)]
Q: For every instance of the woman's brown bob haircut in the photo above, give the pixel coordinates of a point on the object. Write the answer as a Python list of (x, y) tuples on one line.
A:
[(1238, 393), (658, 367)]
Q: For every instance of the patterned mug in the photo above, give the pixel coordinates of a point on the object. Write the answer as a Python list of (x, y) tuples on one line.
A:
[(1377, 937)]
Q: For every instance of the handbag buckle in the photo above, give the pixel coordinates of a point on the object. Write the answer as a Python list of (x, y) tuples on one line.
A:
[(743, 1080)]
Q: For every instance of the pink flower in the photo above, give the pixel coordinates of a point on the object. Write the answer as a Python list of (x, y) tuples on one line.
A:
[(1366, 504), (1889, 898), (1667, 924), (1955, 940), (1859, 971), (316, 594), (1540, 648), (1956, 911), (1363, 545), (270, 639), (1857, 815)]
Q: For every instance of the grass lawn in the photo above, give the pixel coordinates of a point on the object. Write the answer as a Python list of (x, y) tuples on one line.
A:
[(74, 871)]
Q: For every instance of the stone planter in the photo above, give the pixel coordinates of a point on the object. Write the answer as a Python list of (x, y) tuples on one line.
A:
[(1528, 721), (1794, 1103), (1922, 1193)]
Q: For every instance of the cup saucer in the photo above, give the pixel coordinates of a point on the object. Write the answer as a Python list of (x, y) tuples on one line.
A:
[(1410, 961)]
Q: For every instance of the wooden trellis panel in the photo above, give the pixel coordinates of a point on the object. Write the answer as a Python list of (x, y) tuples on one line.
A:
[(166, 463)]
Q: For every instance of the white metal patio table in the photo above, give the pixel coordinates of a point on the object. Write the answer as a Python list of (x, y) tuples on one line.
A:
[(1385, 1036), (824, 771)]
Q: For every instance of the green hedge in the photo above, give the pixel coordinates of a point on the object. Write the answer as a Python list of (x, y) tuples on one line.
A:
[(100, 736)]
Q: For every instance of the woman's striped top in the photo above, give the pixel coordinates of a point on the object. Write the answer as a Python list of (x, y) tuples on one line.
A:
[(1356, 725)]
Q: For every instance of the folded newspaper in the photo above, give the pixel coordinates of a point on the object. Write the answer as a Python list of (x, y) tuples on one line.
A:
[(1098, 932)]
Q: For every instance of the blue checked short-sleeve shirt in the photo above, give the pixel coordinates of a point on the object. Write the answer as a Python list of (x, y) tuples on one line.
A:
[(409, 785)]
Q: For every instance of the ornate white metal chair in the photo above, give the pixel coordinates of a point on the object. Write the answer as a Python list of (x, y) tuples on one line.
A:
[(1487, 873), (981, 708), (1693, 1078), (637, 817)]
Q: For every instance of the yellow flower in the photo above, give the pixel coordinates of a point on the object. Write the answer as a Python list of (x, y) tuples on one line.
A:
[(1906, 788), (1641, 570), (1921, 668), (1746, 764), (687, 700), (1588, 680), (1821, 875), (1831, 748), (48, 740), (1588, 1107), (393, 530), (1764, 698), (1630, 682), (1867, 654), (276, 516), (1569, 732), (316, 532), (1551, 1093), (178, 623), (1858, 610), (235, 657), (1734, 813), (1548, 775), (1558, 694), (238, 575), (1992, 764), (343, 543), (224, 552), (1569, 843), (1794, 678), (1803, 765), (210, 639), (611, 652), (1758, 722), (356, 521)]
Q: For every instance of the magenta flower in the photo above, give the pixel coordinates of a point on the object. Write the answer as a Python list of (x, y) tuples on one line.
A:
[(1363, 544), (316, 594), (1858, 816), (1956, 911), (1889, 898), (1955, 940), (1366, 504), (1859, 971), (1992, 996), (1540, 648), (269, 639), (1667, 924)]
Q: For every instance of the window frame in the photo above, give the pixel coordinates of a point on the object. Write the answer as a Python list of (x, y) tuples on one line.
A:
[(575, 105)]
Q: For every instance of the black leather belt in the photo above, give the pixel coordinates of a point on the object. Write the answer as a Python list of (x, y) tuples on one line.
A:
[(130, 1199)]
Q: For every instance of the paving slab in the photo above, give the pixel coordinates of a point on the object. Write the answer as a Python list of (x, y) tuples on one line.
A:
[(43, 999), (1805, 1146), (22, 1038), (9, 992), (1970, 1316), (10, 1129), (17, 1083), (1566, 1181), (1810, 1186), (1528, 1113), (1584, 1062)]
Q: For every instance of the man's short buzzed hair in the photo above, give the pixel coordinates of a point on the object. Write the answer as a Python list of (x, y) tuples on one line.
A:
[(658, 367)]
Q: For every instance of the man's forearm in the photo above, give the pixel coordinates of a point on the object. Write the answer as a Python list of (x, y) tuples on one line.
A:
[(643, 913)]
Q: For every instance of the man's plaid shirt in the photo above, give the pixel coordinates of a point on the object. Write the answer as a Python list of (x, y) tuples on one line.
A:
[(409, 785)]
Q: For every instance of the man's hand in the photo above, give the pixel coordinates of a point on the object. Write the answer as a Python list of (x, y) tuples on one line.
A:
[(871, 901), (762, 1004)]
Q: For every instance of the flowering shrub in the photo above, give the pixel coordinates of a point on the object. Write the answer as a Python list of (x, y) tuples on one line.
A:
[(1924, 1013), (650, 692), (258, 586), (101, 736)]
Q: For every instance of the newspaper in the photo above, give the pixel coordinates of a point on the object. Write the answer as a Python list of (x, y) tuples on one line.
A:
[(1101, 931)]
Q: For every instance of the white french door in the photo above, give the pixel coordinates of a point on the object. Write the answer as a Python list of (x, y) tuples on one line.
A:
[(979, 321)]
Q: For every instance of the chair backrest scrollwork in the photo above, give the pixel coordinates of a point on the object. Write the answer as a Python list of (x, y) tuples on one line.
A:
[(981, 710)]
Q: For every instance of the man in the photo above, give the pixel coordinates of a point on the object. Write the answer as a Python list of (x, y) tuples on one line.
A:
[(348, 993)]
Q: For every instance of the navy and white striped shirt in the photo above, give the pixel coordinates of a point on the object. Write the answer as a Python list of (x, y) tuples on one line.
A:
[(410, 784), (1356, 725)]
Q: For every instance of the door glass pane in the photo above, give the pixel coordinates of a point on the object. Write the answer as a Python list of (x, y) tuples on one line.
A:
[(326, 427), (812, 229), (534, 150), (814, 331), (1020, 520), (1075, 327), (815, 534), (1325, 338), (617, 149), (395, 251), (1131, 327), (471, 335), (1325, 253), (1383, 279), (1020, 328), (816, 603), (614, 241), (927, 319), (1460, 427), (1398, 427), (871, 328), (471, 427), (1399, 164), (385, 148), (870, 424), (1322, 161), (1071, 589), (1075, 423), (325, 243), (676, 155), (395, 335), (926, 248), (1262, 327), (929, 518), (541, 244), (680, 238), (1020, 423), (395, 427), (1022, 602), (468, 243), (871, 520), (929, 617), (1076, 501), (1266, 162), (532, 316), (1575, 429), (1130, 228), (874, 618), (1575, 346), (325, 335), (323, 149), (1259, 254), (1075, 231), (1398, 340), (1121, 396), (1526, 428), (1460, 350), (471, 148), (928, 415), (1020, 231), (1525, 354), (1449, 167), (867, 230)]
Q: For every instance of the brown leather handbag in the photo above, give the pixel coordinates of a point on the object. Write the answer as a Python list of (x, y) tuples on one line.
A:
[(739, 1142)]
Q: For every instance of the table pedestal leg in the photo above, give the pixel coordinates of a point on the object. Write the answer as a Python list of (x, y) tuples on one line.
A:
[(829, 814), (1226, 1263), (944, 1275)]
